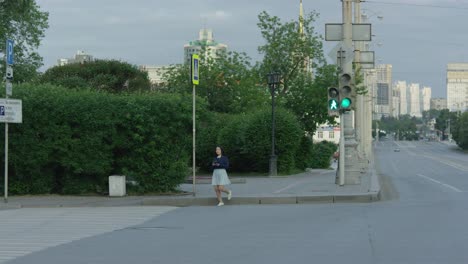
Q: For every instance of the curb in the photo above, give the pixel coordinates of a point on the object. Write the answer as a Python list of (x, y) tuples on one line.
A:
[(211, 201), (267, 200)]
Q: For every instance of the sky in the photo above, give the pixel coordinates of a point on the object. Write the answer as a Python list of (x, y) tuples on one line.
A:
[(418, 37)]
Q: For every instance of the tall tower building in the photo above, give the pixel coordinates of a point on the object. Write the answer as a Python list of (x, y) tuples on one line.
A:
[(384, 94), (426, 95), (414, 100), (395, 103), (402, 89), (457, 86), (212, 49)]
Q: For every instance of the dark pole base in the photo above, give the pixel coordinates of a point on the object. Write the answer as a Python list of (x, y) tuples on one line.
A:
[(273, 165)]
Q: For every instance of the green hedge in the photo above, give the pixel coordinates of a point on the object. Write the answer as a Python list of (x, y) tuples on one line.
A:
[(70, 141), (322, 153), (246, 139), (315, 156)]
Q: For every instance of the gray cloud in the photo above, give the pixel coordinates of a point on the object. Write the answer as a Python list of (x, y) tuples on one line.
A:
[(418, 41)]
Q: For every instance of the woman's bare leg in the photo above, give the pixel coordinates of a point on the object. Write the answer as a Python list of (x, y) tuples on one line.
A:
[(218, 193), (223, 189)]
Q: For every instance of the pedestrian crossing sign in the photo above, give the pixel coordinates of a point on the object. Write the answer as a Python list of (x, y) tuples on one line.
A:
[(195, 66), (333, 104)]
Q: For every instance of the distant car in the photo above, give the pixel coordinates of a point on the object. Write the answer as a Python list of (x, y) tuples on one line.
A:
[(397, 150)]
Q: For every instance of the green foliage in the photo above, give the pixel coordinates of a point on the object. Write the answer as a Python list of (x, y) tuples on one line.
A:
[(286, 48), (460, 131), (246, 139), (307, 98), (232, 138), (228, 83), (316, 156), (305, 154), (25, 23), (71, 141), (258, 138), (322, 153), (103, 75), (405, 126), (442, 121)]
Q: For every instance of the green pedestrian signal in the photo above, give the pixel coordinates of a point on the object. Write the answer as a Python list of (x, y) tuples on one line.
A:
[(333, 104), (333, 101)]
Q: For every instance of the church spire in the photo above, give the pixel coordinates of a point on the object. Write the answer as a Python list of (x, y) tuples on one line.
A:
[(307, 65), (301, 19)]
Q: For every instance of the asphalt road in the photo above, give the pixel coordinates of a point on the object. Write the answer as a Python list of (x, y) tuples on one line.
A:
[(423, 220)]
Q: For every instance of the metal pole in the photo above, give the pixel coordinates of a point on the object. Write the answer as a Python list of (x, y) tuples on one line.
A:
[(377, 132), (5, 193), (6, 161), (193, 141), (342, 152), (449, 134), (359, 112), (273, 161), (345, 119), (273, 120)]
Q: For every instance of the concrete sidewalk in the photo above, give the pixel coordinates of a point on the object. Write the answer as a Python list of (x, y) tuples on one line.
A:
[(314, 186)]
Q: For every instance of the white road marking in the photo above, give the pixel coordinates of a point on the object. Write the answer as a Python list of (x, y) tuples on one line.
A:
[(24, 231), (441, 183), (287, 187)]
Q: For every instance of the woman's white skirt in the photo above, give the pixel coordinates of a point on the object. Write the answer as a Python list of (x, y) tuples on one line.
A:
[(220, 177)]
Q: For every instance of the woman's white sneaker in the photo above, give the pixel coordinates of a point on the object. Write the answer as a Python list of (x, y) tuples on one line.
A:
[(229, 195), (221, 204)]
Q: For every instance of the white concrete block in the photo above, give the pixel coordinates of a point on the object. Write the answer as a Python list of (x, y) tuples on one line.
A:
[(117, 186)]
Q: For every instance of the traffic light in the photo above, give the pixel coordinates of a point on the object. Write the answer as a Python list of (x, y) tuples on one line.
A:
[(333, 101), (346, 92)]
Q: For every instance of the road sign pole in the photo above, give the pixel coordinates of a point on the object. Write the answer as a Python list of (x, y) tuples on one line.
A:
[(8, 63), (6, 163), (195, 81), (193, 140)]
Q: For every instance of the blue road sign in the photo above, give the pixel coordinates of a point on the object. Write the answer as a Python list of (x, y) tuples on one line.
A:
[(2, 110), (9, 52)]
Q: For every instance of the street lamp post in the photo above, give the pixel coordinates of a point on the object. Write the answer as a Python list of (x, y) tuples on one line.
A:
[(273, 81)]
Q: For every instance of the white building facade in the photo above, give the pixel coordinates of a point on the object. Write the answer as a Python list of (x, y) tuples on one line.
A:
[(327, 133), (402, 88), (205, 41), (457, 86), (155, 73), (383, 93), (426, 95), (414, 100), (80, 57)]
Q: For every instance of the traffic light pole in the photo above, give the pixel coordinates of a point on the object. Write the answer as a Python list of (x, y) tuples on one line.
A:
[(345, 121)]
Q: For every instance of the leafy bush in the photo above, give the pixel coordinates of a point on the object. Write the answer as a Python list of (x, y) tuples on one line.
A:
[(104, 75), (322, 153), (246, 138), (70, 141), (258, 140), (305, 154)]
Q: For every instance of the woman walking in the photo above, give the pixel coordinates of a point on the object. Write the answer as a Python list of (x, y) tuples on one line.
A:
[(220, 178)]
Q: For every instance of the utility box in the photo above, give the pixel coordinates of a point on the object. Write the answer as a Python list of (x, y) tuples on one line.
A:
[(117, 187)]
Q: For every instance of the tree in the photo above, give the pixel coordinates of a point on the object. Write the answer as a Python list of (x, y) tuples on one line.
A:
[(106, 75), (286, 48), (229, 83), (307, 97), (442, 121), (23, 22), (460, 131)]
